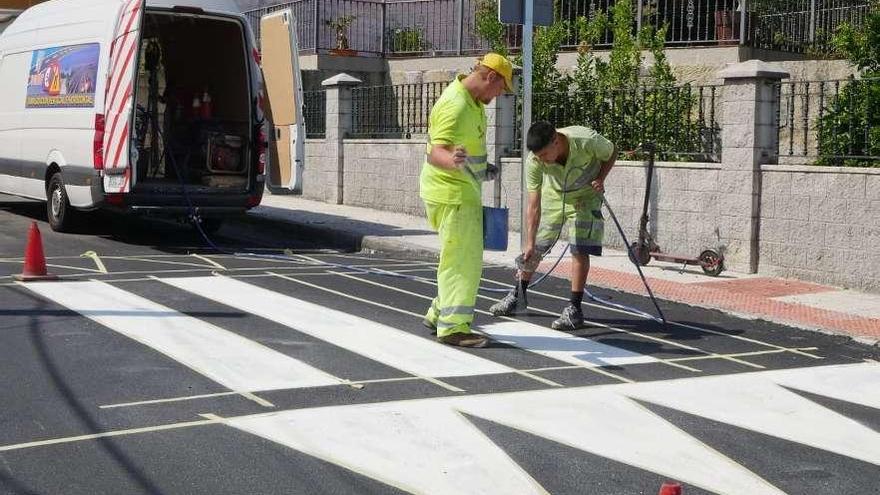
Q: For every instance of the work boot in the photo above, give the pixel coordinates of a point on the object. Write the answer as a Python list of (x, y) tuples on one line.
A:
[(571, 319), (431, 325), (512, 304), (465, 339)]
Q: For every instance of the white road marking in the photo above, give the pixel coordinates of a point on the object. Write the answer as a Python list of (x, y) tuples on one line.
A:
[(860, 385), (561, 346), (235, 362), (382, 343), (417, 447), (757, 402)]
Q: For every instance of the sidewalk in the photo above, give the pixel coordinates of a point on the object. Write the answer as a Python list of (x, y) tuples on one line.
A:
[(792, 302)]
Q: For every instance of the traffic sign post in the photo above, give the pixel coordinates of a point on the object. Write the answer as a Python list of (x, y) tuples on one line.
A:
[(528, 13)]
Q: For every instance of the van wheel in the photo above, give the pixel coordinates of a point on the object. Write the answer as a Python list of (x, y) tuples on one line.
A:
[(58, 209)]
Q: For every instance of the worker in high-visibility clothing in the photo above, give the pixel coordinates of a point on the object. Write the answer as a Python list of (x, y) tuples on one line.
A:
[(574, 162), (450, 186)]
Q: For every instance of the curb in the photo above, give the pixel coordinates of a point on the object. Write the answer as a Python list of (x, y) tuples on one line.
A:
[(339, 239)]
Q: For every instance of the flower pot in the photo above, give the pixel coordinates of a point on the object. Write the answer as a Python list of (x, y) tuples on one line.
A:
[(727, 27), (345, 52)]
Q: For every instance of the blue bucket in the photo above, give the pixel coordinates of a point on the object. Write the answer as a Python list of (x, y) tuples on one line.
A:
[(495, 228)]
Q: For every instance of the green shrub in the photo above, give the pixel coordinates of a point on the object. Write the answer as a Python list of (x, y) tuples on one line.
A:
[(850, 125)]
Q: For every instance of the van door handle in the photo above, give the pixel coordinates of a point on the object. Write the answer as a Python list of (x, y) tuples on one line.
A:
[(277, 134)]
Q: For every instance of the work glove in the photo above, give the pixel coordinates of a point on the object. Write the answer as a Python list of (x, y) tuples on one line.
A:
[(492, 172)]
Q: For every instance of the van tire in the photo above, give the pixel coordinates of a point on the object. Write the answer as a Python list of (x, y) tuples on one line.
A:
[(58, 210)]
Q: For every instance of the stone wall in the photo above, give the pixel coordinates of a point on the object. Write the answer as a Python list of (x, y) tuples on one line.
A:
[(813, 223), (822, 224)]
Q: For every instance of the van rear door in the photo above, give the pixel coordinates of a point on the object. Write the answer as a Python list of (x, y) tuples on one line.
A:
[(280, 56), (119, 95)]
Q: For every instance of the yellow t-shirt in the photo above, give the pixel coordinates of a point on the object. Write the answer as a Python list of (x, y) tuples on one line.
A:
[(456, 119), (587, 149)]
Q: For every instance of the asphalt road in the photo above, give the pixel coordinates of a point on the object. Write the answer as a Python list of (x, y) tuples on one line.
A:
[(158, 365)]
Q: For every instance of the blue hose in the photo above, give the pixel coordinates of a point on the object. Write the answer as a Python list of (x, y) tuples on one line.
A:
[(194, 216)]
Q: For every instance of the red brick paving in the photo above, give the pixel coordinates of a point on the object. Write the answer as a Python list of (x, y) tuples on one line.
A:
[(766, 287), (745, 296)]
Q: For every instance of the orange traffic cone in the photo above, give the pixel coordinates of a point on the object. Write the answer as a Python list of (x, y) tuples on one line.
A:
[(34, 261), (670, 488)]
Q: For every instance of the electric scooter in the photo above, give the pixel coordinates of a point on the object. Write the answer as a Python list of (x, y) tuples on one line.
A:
[(641, 251)]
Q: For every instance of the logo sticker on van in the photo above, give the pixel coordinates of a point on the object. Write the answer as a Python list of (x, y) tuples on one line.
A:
[(63, 77)]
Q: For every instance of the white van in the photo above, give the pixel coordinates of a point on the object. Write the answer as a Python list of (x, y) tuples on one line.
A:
[(141, 106)]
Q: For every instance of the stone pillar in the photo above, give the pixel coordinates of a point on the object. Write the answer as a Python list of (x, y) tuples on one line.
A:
[(748, 140), (500, 124), (339, 123)]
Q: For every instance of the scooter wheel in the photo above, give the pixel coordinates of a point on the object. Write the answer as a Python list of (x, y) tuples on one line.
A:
[(639, 254), (712, 262)]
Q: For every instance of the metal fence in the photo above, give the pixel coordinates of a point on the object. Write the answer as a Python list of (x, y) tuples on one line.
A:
[(315, 113), (804, 26), (444, 27), (829, 122), (687, 22), (396, 111), (683, 120), (350, 26)]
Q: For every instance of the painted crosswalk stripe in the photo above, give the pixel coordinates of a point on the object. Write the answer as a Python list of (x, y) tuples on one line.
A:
[(390, 346), (425, 445), (560, 346), (229, 359)]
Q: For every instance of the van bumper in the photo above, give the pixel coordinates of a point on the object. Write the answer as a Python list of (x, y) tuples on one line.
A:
[(205, 205)]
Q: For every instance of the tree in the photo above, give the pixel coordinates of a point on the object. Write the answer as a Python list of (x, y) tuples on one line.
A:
[(612, 96), (851, 127), (618, 100)]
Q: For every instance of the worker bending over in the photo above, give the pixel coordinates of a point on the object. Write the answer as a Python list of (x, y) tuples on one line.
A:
[(567, 168)]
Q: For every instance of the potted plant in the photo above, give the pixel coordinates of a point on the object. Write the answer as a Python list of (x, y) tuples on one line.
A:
[(341, 25)]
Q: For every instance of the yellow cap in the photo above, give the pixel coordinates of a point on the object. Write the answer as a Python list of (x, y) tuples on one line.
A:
[(501, 65)]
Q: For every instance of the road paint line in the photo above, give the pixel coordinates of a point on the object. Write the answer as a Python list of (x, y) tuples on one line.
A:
[(479, 296), (415, 447), (170, 262), (525, 348), (391, 346), (670, 322), (97, 259), (229, 359), (740, 354), (54, 265), (410, 313), (208, 260), (168, 400), (258, 400), (561, 346), (116, 433), (860, 385), (574, 407), (759, 402)]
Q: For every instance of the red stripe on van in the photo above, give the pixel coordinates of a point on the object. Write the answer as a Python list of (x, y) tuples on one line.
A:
[(119, 40), (132, 15), (111, 137), (125, 180), (121, 75), (123, 136), (114, 75)]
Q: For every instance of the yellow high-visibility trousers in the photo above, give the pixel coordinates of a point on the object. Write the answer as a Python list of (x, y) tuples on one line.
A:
[(461, 265)]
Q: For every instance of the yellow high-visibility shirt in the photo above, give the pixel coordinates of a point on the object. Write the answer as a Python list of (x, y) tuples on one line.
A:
[(456, 119), (587, 149)]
